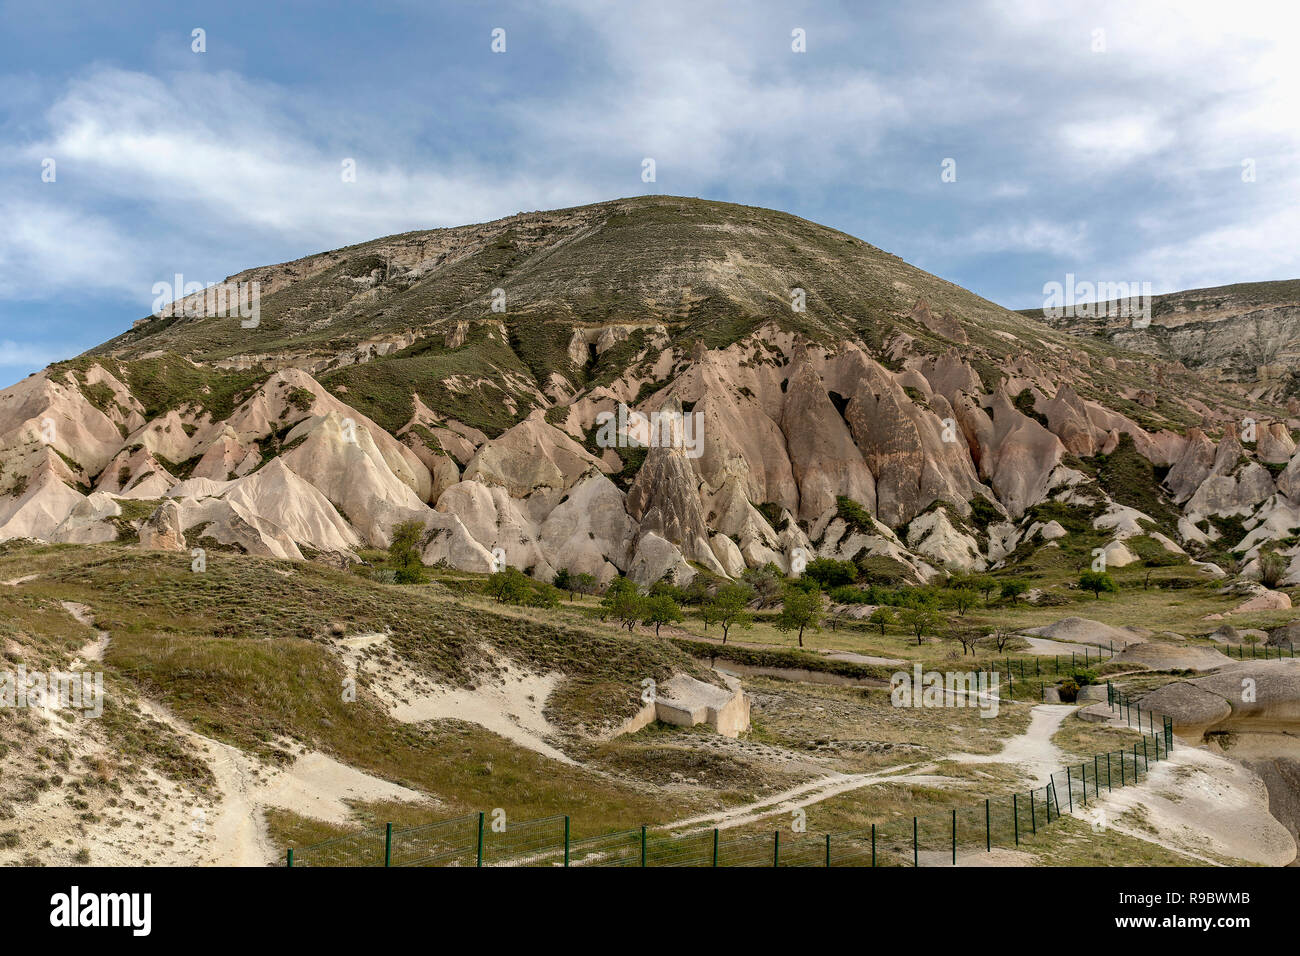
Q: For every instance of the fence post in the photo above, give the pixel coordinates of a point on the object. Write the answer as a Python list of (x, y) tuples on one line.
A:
[(954, 836), (1123, 780), (715, 846), (1136, 772), (566, 839), (873, 844), (915, 854), (643, 845), (1033, 814), (479, 861), (290, 859), (1083, 774), (1069, 789), (776, 847), (1015, 815), (988, 829), (1096, 776), (388, 844), (828, 849), (1146, 761)]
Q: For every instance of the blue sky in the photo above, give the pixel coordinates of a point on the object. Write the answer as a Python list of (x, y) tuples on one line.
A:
[(1116, 155)]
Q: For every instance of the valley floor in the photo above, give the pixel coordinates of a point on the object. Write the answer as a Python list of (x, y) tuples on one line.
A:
[(266, 704)]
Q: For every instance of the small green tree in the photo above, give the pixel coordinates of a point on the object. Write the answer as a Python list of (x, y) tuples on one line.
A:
[(509, 586), (829, 573), (986, 584), (1096, 582), (1013, 589), (729, 608), (1272, 568), (623, 602), (883, 617), (564, 581), (404, 552), (920, 621), (960, 599), (584, 583), (658, 610), (766, 582), (800, 609)]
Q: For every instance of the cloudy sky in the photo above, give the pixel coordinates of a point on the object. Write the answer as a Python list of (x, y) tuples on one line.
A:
[(1112, 140)]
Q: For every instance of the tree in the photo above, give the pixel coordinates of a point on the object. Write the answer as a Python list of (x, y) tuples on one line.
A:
[(658, 610), (666, 587), (729, 607), (584, 583), (1001, 636), (960, 598), (970, 638), (883, 617), (623, 602), (564, 581), (404, 553), (1013, 588), (766, 582), (986, 584), (697, 592), (508, 586), (829, 573), (920, 621), (1096, 582), (800, 609), (1272, 568)]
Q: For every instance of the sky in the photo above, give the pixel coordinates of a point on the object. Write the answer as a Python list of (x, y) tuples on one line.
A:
[(1119, 141)]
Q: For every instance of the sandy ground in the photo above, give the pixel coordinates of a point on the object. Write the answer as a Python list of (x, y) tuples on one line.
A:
[(511, 706), (1200, 803), (158, 822)]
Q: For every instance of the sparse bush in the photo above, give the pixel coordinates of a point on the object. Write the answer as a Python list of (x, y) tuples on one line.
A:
[(1272, 568)]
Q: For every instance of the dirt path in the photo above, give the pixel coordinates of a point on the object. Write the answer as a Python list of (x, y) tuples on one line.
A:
[(92, 650), (806, 794), (1034, 748)]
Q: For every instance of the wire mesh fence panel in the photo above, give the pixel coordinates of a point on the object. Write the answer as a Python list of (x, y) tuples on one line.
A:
[(692, 849), (853, 848), (607, 849), (800, 849), (1002, 821), (444, 843), (971, 830), (934, 839), (755, 849), (527, 842), (365, 848), (894, 842)]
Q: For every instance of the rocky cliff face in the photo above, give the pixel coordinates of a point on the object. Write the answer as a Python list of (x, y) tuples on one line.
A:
[(650, 402), (1246, 333)]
